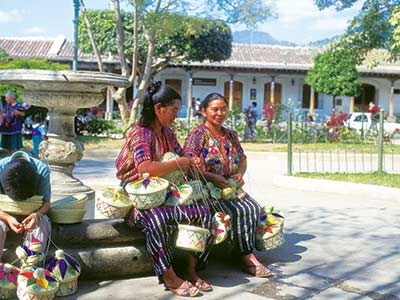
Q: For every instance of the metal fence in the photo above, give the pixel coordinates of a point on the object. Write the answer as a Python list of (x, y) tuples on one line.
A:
[(378, 158)]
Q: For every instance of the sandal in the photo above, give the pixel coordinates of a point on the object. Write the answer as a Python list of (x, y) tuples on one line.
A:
[(186, 289), (259, 271), (202, 285)]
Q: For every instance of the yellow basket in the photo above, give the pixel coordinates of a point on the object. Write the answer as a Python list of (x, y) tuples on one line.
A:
[(269, 233), (8, 288), (176, 177), (66, 215), (68, 279), (192, 238), (199, 190), (38, 290), (77, 201), (180, 195), (148, 192), (22, 208), (113, 203)]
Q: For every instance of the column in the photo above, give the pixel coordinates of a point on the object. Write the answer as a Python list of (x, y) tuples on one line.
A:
[(391, 103), (352, 100), (231, 82), (312, 100), (273, 90), (190, 96), (109, 104)]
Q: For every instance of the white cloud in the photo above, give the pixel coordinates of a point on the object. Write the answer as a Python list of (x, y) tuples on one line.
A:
[(11, 16), (35, 30), (301, 21)]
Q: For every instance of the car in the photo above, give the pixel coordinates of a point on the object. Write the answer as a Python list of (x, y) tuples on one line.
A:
[(365, 121)]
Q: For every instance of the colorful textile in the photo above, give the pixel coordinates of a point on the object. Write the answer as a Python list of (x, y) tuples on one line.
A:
[(11, 124), (144, 144), (221, 155), (158, 224), (13, 141)]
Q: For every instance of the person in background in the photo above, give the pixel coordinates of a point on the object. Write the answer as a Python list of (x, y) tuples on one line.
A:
[(373, 109), (21, 177), (38, 134), (221, 158), (146, 143), (11, 122)]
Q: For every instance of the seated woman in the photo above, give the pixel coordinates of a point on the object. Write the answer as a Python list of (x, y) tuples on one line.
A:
[(222, 157), (145, 145)]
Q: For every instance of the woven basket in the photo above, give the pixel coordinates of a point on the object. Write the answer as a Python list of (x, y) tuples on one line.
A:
[(269, 233), (192, 238), (66, 215), (77, 201), (148, 192), (220, 227), (199, 190), (8, 282), (66, 270), (29, 289), (176, 177), (180, 195), (22, 208), (113, 203)]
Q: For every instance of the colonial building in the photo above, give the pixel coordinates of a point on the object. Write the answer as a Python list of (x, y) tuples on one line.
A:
[(260, 73)]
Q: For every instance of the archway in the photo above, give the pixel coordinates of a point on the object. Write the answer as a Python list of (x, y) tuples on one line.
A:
[(176, 84)]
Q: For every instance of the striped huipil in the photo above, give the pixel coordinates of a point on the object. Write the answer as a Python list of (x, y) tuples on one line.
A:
[(158, 224), (221, 155)]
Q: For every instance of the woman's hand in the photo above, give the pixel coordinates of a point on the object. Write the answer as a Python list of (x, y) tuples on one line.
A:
[(239, 178), (15, 226), (30, 221), (219, 181), (184, 163)]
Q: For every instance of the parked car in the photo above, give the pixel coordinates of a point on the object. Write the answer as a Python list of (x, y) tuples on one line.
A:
[(365, 121)]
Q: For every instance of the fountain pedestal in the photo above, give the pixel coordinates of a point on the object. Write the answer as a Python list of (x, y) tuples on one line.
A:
[(62, 93)]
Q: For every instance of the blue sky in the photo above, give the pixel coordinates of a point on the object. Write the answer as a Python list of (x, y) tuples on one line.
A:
[(299, 20)]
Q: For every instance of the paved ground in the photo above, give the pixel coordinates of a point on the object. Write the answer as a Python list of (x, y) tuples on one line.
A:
[(342, 241)]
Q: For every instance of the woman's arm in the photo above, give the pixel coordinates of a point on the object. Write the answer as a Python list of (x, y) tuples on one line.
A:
[(156, 168)]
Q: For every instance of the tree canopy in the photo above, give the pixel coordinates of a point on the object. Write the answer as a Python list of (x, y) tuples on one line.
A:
[(334, 73), (377, 26), (41, 64), (182, 38)]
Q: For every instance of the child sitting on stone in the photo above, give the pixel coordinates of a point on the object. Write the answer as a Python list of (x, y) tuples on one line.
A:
[(22, 177)]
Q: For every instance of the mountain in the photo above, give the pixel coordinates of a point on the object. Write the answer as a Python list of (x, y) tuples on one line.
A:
[(260, 37), (257, 37)]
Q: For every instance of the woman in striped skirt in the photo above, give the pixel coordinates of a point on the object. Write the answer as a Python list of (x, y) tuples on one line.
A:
[(222, 157), (146, 143)]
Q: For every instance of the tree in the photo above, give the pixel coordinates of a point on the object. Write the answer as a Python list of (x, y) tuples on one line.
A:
[(376, 26), (41, 64), (158, 33), (334, 73)]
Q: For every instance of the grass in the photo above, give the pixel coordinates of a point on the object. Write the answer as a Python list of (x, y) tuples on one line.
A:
[(383, 179)]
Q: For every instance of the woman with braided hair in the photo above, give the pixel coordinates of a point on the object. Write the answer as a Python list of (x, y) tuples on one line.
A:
[(146, 143)]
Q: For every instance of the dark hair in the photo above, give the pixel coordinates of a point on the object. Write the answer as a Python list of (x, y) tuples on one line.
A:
[(19, 179), (156, 93), (254, 103), (211, 97), (38, 119)]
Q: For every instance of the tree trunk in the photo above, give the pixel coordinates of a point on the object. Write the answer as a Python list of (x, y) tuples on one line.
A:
[(90, 33)]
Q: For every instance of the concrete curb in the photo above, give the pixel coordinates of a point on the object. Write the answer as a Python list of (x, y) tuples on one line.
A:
[(338, 187)]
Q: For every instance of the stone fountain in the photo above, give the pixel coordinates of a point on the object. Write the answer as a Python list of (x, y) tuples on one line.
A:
[(62, 93)]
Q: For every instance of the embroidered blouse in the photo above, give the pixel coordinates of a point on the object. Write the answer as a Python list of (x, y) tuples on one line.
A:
[(218, 154), (144, 144)]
